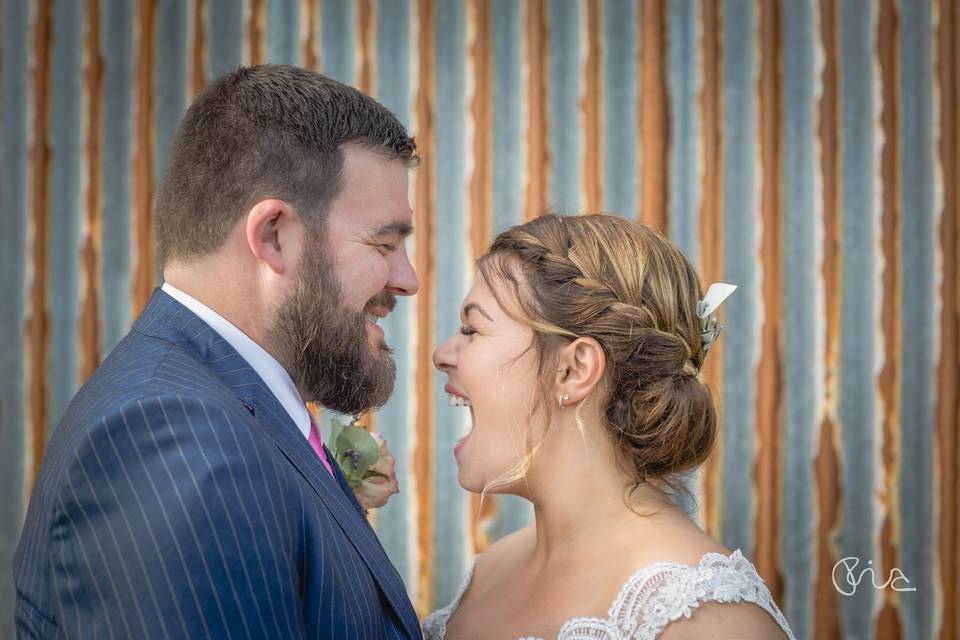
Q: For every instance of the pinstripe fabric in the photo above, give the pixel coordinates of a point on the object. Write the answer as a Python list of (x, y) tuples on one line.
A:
[(177, 499)]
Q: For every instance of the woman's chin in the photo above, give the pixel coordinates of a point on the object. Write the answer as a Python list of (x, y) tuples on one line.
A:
[(467, 482)]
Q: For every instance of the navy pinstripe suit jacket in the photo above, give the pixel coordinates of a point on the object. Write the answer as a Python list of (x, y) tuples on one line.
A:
[(177, 499)]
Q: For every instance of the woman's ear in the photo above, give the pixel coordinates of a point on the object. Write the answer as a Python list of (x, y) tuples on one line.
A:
[(272, 234), (580, 369)]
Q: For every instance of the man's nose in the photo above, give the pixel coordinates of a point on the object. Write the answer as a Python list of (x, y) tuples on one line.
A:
[(403, 278)]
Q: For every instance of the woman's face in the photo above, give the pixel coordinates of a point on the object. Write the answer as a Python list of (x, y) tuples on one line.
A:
[(491, 370)]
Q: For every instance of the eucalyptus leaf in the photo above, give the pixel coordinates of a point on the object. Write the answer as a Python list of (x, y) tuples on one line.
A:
[(335, 428), (356, 452)]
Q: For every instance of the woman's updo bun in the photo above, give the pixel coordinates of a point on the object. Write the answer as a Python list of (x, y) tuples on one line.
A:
[(633, 291)]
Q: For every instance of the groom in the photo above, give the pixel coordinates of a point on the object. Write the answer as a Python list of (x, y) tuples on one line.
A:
[(185, 493)]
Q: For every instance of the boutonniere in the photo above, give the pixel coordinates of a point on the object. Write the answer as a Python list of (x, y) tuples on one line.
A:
[(366, 462)]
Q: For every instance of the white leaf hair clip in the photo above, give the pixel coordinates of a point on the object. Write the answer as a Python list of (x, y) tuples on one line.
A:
[(709, 327)]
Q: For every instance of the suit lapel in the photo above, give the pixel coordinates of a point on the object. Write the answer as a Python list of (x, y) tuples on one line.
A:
[(164, 317)]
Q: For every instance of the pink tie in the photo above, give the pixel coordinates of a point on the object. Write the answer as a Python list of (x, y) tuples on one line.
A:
[(314, 440)]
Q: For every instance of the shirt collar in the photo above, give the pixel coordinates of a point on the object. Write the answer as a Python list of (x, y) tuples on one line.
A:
[(272, 373)]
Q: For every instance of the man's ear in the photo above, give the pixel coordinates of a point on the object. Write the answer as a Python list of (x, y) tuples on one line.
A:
[(273, 233), (580, 369)]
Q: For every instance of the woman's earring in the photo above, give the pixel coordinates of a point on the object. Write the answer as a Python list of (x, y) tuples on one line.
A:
[(563, 398)]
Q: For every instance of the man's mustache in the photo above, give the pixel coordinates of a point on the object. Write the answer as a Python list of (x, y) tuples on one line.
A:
[(383, 300)]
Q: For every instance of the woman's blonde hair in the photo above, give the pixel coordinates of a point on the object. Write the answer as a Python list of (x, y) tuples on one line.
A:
[(636, 294)]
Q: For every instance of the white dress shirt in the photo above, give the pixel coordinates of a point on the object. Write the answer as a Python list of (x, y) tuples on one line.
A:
[(272, 372)]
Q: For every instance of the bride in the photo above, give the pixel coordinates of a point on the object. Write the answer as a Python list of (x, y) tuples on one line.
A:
[(578, 359)]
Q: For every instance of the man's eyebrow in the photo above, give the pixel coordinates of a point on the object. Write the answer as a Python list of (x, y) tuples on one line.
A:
[(397, 228), (470, 306)]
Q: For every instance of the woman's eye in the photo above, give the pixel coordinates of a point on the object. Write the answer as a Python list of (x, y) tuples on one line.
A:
[(467, 331)]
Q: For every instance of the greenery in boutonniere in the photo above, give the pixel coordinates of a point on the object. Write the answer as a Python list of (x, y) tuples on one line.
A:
[(356, 451)]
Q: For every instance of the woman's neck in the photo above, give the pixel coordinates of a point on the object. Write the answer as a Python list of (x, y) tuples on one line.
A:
[(583, 496)]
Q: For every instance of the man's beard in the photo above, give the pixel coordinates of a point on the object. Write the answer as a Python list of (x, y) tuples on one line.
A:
[(325, 347)]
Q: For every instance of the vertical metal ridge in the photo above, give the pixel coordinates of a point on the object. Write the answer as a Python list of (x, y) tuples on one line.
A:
[(828, 490), (742, 188), (66, 206), (91, 251), (423, 222), (591, 106), (918, 324), (256, 32), (888, 381), (769, 376), (480, 62), (565, 55), (711, 232), (948, 368), (451, 537), (621, 140), (800, 303), (145, 260), (16, 129), (536, 29), (654, 118), (37, 320)]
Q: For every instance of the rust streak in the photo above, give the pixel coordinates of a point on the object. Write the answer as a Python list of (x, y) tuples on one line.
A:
[(654, 115), (145, 273), (538, 152), (711, 224), (592, 107), (255, 31), (480, 189), (948, 369), (769, 381), (826, 461), (888, 382), (310, 11), (90, 256), (366, 19), (198, 74), (423, 217), (481, 182), (37, 327)]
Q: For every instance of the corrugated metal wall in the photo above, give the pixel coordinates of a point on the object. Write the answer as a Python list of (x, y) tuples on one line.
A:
[(807, 150)]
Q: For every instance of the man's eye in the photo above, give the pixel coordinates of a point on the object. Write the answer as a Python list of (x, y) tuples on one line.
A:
[(389, 248), (466, 330)]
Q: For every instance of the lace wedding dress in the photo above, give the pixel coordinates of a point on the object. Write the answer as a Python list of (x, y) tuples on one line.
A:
[(652, 598)]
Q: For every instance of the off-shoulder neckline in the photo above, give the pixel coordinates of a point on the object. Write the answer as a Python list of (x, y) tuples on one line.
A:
[(710, 558)]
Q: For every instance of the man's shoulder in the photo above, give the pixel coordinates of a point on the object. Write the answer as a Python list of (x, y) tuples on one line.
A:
[(146, 388), (141, 366)]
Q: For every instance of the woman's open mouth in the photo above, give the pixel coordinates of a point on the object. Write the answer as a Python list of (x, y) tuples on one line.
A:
[(456, 398)]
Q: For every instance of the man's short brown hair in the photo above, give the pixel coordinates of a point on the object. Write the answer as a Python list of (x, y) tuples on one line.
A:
[(268, 131)]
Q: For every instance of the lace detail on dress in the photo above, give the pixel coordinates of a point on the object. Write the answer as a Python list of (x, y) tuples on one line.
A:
[(435, 624), (654, 597)]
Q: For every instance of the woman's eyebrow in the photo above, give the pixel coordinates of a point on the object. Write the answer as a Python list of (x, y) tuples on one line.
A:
[(470, 306)]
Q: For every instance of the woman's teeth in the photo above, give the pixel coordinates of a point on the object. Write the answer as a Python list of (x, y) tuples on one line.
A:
[(457, 401)]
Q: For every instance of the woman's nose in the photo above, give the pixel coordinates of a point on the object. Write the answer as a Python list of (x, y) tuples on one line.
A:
[(444, 356)]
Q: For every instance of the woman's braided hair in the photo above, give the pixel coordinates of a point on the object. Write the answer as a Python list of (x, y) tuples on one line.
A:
[(636, 294)]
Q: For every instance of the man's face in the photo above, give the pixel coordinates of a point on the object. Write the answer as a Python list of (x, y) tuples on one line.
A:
[(326, 328)]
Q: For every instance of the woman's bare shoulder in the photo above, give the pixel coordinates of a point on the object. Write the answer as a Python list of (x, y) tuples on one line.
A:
[(723, 620), (507, 551)]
